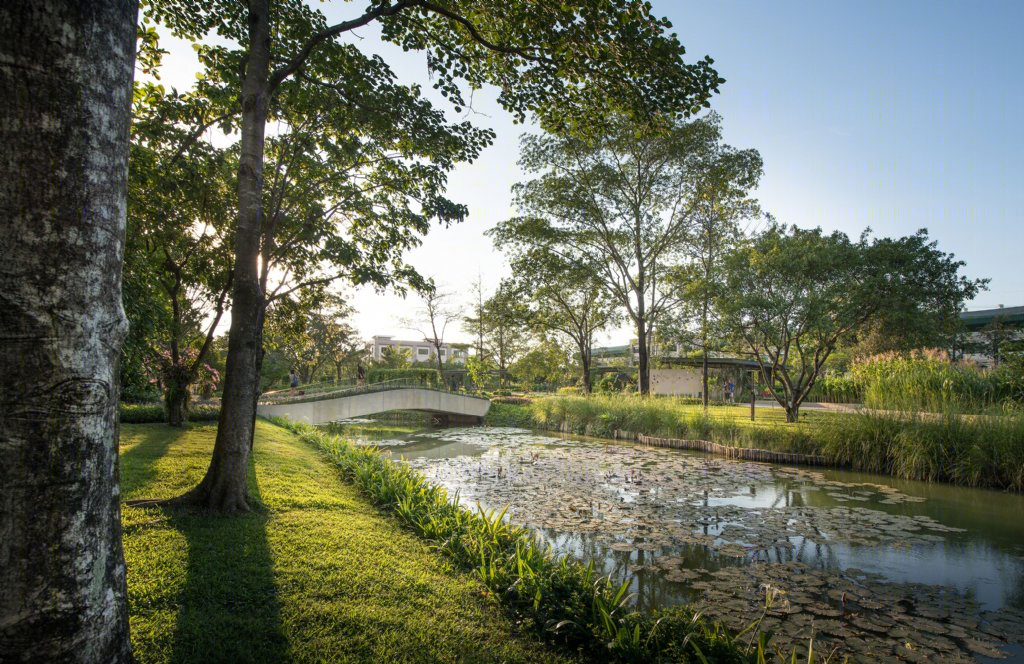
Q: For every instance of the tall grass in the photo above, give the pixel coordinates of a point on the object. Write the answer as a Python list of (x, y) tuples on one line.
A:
[(954, 447), (929, 382), (602, 416), (562, 599), (969, 450)]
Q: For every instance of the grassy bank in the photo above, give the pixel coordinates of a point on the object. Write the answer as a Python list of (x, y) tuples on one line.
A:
[(316, 574), (967, 450)]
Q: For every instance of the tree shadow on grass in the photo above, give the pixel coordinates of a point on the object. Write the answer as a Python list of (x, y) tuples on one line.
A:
[(228, 609), (138, 463)]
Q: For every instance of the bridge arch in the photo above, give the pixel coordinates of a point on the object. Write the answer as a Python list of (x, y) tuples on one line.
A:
[(360, 402)]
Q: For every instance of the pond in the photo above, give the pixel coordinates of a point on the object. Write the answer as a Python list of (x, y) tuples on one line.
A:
[(882, 569)]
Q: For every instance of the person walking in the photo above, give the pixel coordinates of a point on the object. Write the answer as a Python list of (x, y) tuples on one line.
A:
[(293, 381)]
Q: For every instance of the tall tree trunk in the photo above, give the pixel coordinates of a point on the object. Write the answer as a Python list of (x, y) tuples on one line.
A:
[(585, 361), (643, 372), (704, 376), (65, 93), (704, 354), (224, 486)]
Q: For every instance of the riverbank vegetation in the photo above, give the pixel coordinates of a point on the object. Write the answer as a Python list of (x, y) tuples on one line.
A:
[(314, 574), (556, 597), (970, 450)]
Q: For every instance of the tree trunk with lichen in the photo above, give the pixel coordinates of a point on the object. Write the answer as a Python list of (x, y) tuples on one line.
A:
[(65, 93)]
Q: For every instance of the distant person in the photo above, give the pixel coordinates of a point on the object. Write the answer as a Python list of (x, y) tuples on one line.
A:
[(730, 391), (293, 381), (360, 374)]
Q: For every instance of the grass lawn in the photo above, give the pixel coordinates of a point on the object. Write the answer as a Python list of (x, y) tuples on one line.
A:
[(316, 574)]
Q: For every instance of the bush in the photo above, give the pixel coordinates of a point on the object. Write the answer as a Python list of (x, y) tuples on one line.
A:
[(151, 413)]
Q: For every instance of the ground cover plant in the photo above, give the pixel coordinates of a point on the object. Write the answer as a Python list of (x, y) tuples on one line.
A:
[(560, 598), (314, 574), (981, 451)]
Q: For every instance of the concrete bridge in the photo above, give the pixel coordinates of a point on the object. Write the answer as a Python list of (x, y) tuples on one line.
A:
[(331, 406)]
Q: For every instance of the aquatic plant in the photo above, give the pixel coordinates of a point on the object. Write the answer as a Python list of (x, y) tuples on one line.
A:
[(561, 598), (951, 446)]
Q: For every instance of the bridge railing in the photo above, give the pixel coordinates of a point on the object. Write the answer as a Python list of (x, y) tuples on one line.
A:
[(326, 391)]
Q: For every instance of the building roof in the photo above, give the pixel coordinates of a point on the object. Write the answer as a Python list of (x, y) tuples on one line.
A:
[(975, 320)]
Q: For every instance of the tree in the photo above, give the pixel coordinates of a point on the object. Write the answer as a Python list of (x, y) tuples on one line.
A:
[(564, 298), (475, 321), (568, 63), (546, 362), (506, 327), (793, 295), (395, 358), (721, 200), (65, 94), (621, 203), (435, 316), (180, 208), (308, 330)]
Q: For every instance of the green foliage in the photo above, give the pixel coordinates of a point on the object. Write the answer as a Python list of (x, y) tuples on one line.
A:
[(146, 413), (480, 371), (986, 451), (545, 363), (619, 206), (423, 376), (929, 382), (835, 387), (794, 295)]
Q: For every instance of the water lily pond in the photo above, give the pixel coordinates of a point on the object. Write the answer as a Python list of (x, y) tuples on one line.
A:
[(878, 568)]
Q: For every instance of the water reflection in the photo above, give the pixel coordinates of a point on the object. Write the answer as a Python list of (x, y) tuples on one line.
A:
[(859, 556)]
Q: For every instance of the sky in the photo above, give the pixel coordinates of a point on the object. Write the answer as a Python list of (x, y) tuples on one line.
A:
[(893, 116)]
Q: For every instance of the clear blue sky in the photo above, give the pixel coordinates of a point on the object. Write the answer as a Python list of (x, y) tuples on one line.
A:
[(866, 114)]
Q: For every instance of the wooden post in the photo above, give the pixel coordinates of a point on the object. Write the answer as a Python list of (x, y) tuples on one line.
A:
[(753, 392)]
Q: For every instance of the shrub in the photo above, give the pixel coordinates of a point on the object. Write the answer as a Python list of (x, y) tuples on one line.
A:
[(151, 413), (425, 377)]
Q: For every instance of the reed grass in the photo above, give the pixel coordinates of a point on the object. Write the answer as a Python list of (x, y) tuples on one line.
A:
[(952, 446), (929, 382)]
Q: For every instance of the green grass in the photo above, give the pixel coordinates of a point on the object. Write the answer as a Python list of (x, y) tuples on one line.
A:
[(980, 451), (316, 574)]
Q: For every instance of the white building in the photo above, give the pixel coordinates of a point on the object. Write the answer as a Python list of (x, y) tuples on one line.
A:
[(419, 351)]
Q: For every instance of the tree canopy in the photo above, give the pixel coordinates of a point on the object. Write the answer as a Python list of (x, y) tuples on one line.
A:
[(793, 295)]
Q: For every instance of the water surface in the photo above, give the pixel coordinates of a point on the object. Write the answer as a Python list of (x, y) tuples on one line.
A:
[(881, 568)]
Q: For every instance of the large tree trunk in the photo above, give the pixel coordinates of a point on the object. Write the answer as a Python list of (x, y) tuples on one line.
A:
[(65, 92), (224, 486), (176, 401)]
